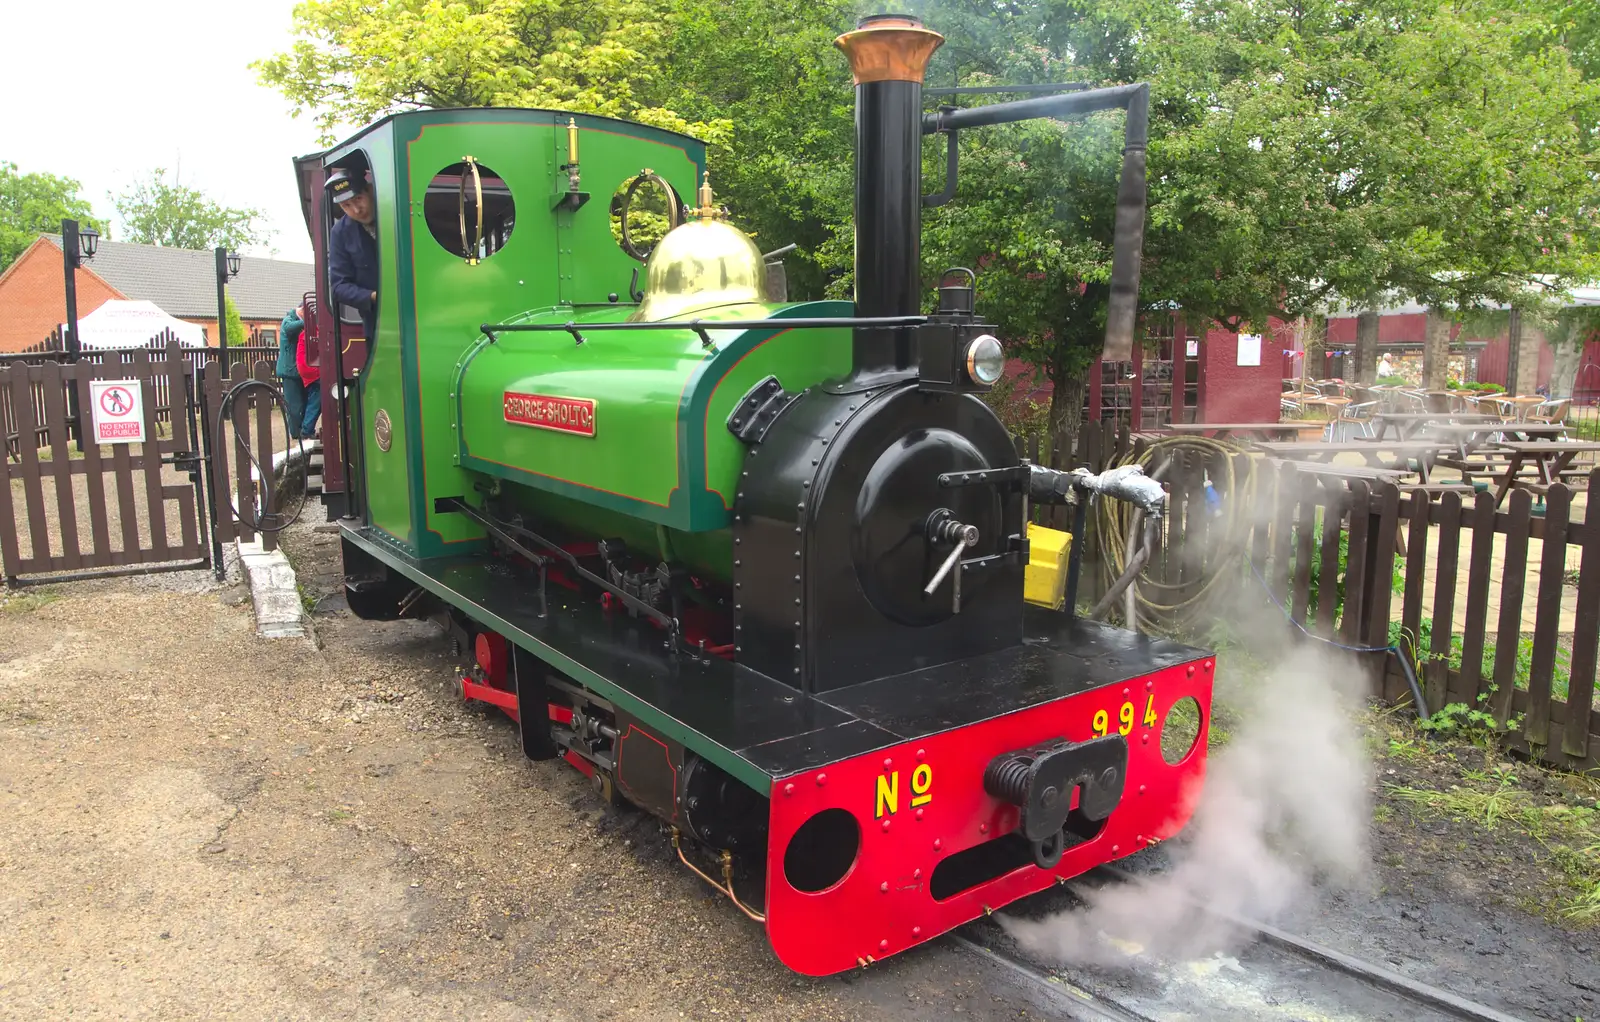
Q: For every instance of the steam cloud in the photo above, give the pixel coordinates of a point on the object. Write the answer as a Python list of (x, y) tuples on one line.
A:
[(1286, 802)]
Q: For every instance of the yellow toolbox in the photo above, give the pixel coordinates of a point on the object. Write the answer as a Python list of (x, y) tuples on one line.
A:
[(1045, 581)]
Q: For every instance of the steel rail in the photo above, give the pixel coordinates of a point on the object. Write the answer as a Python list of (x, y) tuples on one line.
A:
[(1373, 975), (1082, 1003)]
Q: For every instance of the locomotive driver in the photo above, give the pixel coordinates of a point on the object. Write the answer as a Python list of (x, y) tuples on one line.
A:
[(353, 248)]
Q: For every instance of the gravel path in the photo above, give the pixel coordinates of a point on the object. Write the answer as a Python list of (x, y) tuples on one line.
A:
[(204, 824)]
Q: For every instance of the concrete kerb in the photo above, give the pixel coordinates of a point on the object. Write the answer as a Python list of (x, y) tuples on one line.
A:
[(273, 590)]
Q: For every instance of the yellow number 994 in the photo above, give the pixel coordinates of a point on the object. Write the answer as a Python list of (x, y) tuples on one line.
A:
[(1102, 720)]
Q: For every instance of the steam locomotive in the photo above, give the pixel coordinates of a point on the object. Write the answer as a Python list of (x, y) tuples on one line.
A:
[(762, 568)]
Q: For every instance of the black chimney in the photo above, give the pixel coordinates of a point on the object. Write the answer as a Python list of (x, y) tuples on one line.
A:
[(889, 55)]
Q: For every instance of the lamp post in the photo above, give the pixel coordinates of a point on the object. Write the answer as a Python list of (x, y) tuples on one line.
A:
[(76, 246), (227, 268)]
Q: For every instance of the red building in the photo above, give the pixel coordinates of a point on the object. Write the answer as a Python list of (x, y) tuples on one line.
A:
[(1184, 374), (1482, 358)]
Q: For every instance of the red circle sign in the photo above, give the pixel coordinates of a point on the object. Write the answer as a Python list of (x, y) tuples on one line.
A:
[(116, 401)]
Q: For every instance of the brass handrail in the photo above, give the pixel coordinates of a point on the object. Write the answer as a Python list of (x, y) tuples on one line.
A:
[(470, 252)]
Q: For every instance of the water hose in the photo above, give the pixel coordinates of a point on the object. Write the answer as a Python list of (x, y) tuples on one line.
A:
[(266, 521), (1160, 604)]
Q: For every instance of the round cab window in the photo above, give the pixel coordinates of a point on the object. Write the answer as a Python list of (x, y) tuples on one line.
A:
[(469, 210)]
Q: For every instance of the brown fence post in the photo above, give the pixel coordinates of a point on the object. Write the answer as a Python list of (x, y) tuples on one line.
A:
[(1547, 615), (244, 484), (223, 523), (1352, 624), (1411, 607), (1305, 535), (1479, 577), (1513, 577), (10, 555), (53, 400), (1586, 631), (1333, 503), (264, 447), (93, 465), (1436, 675), (1380, 567), (22, 378), (1285, 494)]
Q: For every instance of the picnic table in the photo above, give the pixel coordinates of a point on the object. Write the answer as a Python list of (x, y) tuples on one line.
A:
[(1406, 453), (1549, 457), (1223, 430), (1463, 437), (1366, 473), (1406, 425)]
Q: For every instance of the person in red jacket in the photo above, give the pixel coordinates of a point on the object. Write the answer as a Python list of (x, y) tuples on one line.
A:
[(310, 374)]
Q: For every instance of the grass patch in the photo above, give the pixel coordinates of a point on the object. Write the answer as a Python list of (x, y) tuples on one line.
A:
[(27, 601), (1492, 799), (1421, 644)]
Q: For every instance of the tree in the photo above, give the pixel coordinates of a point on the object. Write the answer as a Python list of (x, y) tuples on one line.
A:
[(356, 60), (236, 331), (174, 215), (34, 204), (1300, 153)]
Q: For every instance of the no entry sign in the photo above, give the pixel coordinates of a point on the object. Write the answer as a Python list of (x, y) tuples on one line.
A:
[(118, 411)]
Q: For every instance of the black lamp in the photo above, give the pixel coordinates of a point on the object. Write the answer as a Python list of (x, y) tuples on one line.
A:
[(88, 241), (233, 264)]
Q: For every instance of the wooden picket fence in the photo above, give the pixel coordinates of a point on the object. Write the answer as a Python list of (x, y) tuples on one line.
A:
[(51, 350), (1448, 580), (118, 509)]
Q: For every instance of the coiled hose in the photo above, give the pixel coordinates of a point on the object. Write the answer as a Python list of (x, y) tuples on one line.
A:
[(1169, 590), (265, 520)]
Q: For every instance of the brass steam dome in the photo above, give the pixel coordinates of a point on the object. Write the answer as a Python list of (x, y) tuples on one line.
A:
[(701, 264)]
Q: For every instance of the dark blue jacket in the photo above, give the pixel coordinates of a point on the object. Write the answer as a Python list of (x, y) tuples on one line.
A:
[(353, 265)]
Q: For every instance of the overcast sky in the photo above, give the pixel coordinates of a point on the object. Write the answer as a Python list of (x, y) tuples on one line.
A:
[(163, 83)]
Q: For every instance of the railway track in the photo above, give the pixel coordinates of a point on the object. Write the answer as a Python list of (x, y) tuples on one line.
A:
[(1278, 976)]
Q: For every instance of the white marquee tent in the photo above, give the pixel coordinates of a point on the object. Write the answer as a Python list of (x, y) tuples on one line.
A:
[(125, 324)]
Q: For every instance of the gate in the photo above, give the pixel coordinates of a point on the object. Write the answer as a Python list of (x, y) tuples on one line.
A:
[(73, 509)]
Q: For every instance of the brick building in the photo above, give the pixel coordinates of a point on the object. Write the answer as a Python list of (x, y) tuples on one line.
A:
[(1183, 373), (1475, 356), (181, 282)]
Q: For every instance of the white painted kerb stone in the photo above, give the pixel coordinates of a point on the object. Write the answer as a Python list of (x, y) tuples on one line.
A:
[(279, 614)]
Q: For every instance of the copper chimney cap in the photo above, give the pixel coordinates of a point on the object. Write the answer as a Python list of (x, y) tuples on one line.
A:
[(889, 48)]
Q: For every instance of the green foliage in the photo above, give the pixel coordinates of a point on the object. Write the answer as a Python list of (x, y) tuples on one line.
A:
[(1332, 586), (1393, 381), (1458, 720), (1421, 646), (35, 204), (236, 331), (158, 212), (355, 60), (1022, 416), (1476, 388), (1298, 153)]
